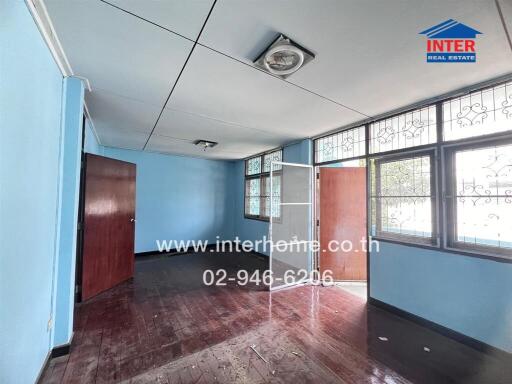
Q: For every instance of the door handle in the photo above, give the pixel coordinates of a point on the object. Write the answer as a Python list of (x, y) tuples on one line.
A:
[(132, 220)]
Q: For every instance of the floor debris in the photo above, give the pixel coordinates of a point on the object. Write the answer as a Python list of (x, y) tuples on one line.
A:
[(383, 338), (426, 349), (253, 347)]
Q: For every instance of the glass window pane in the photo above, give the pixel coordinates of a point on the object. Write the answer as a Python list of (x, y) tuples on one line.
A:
[(479, 113), (269, 157), (276, 193), (253, 206), (343, 145), (252, 187), (401, 198), (404, 178), (483, 193), (485, 222), (411, 216), (252, 197), (407, 130), (253, 166)]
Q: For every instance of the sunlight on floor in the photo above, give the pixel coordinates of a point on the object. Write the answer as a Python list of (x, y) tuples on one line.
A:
[(355, 288)]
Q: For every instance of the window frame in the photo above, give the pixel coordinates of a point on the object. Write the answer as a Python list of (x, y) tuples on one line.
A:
[(405, 113), (433, 240), (443, 173), (450, 207), (457, 95), (346, 130), (261, 176)]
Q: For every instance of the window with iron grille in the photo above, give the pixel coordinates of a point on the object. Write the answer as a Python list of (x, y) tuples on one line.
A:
[(410, 129), (472, 212), (479, 198), (257, 186), (403, 198), (343, 145), (479, 113)]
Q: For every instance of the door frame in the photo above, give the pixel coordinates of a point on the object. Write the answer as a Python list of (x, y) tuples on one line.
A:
[(80, 220), (316, 214), (312, 191)]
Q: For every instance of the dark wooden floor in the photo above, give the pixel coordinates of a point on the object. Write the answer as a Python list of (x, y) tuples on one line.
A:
[(165, 326)]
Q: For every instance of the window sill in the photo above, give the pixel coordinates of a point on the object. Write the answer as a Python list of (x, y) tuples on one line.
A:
[(256, 218), (504, 256), (427, 242), (451, 250)]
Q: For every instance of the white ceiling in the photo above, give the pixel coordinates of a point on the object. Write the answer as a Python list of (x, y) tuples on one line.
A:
[(369, 60)]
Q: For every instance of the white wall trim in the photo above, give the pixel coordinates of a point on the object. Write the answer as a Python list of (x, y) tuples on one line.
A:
[(44, 23)]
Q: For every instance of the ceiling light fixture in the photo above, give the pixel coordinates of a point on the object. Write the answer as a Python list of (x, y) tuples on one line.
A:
[(205, 144), (283, 57)]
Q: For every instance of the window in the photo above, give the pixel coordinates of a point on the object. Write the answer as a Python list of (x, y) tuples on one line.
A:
[(253, 166), (479, 113), (479, 198), (403, 197), (473, 211), (409, 129), (257, 186), (269, 157), (344, 145)]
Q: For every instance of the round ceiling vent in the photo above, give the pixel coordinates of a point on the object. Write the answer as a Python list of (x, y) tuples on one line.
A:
[(283, 57)]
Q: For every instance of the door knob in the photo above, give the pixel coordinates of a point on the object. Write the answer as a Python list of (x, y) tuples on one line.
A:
[(132, 220)]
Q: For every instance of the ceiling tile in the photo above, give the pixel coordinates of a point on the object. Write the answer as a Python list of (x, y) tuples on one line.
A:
[(169, 145), (369, 54), (117, 51), (218, 87), (116, 112), (506, 10), (112, 137), (183, 17), (230, 137)]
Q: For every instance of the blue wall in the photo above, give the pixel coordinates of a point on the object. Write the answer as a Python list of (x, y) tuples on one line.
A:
[(180, 198), (170, 206), (470, 295), (71, 142), (245, 229), (30, 134), (300, 152)]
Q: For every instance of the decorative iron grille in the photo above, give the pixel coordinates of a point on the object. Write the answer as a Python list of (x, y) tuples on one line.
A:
[(403, 198), (257, 185), (276, 196), (343, 145), (483, 197), (269, 157), (253, 166), (478, 113), (252, 197), (410, 129)]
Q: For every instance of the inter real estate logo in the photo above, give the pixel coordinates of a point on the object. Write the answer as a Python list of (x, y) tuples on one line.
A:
[(451, 42)]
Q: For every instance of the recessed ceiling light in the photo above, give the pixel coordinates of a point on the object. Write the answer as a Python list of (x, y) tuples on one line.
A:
[(283, 57), (205, 144)]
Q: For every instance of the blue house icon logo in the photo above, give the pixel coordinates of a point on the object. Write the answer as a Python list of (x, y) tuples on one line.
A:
[(451, 42)]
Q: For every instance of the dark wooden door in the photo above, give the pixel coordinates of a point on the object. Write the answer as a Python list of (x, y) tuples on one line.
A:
[(109, 224), (343, 217)]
